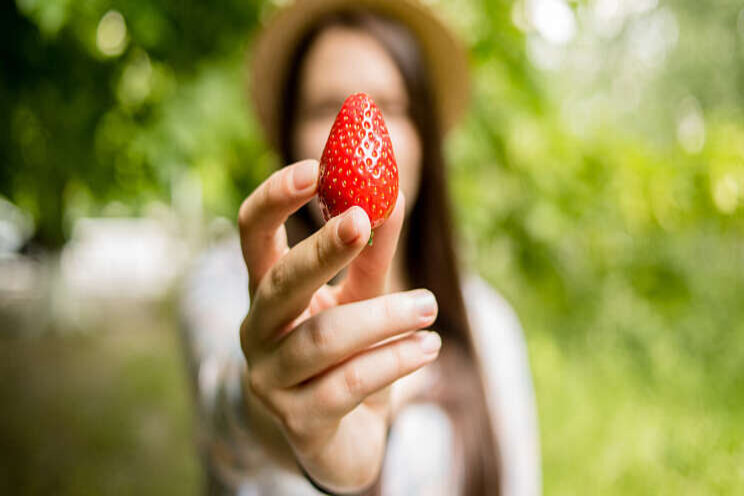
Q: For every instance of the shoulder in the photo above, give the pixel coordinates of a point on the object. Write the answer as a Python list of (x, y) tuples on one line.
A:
[(498, 334), (502, 350), (487, 309)]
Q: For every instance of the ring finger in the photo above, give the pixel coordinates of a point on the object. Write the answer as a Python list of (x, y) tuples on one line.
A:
[(338, 391)]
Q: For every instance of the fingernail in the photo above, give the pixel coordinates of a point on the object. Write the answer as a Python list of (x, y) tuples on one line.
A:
[(426, 304), (429, 341), (305, 175), (347, 228)]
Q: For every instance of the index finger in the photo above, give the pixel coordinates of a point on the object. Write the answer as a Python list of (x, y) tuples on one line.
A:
[(262, 215)]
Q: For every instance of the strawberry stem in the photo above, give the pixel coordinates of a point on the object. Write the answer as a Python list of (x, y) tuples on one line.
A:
[(371, 235)]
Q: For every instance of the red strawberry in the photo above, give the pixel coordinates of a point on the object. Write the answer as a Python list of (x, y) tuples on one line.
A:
[(358, 166)]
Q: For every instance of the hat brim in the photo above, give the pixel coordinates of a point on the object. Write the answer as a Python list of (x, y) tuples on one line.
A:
[(446, 58)]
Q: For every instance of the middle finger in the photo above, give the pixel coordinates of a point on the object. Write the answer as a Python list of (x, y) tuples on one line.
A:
[(335, 334)]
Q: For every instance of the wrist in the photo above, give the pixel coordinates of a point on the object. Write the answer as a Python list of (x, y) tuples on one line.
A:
[(328, 491), (264, 428), (361, 492)]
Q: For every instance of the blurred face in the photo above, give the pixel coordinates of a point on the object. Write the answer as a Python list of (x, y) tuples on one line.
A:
[(343, 61)]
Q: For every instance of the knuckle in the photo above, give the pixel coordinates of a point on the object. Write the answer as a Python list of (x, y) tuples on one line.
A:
[(329, 399), (286, 186), (318, 336), (293, 423), (278, 186), (271, 185), (244, 333), (389, 310), (323, 250), (398, 360), (288, 358), (353, 381), (265, 194), (272, 399), (279, 280), (244, 213), (268, 194), (255, 383), (284, 356)]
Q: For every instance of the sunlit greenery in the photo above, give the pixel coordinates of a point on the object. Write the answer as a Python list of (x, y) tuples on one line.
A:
[(598, 180)]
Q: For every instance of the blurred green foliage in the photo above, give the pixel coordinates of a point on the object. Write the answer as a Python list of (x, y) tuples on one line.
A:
[(599, 185), (103, 413)]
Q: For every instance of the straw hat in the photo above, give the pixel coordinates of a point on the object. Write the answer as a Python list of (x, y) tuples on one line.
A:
[(445, 57)]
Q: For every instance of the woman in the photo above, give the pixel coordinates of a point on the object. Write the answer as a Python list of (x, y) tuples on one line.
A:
[(340, 388)]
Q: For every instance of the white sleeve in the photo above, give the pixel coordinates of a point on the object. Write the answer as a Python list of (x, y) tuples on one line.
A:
[(500, 344), (213, 303)]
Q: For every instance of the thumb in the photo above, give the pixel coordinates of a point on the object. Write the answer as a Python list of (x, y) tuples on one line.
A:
[(367, 274)]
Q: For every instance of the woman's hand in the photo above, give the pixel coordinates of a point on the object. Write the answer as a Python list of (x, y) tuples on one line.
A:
[(316, 357)]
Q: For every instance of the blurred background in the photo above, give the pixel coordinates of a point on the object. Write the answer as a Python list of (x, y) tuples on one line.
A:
[(598, 182)]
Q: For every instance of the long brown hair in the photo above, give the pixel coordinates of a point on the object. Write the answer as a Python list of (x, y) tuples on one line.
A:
[(430, 255)]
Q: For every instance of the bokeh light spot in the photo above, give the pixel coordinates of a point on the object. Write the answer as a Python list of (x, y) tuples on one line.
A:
[(111, 34), (691, 126), (553, 19), (726, 194)]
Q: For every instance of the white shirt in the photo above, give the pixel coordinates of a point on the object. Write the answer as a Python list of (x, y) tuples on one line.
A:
[(420, 453)]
